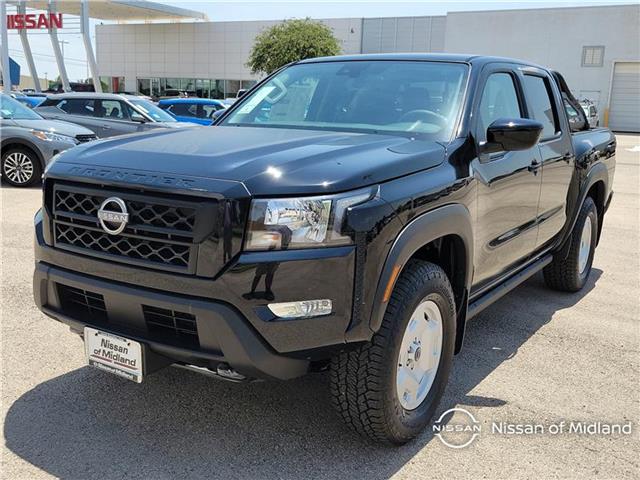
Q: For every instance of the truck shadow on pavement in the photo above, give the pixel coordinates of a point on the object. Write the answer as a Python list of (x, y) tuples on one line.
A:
[(179, 424)]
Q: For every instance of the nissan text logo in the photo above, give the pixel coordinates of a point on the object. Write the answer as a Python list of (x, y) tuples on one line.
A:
[(113, 215)]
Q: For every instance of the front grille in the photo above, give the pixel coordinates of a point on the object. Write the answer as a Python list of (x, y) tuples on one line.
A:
[(172, 326), (131, 247), (82, 304), (161, 232), (86, 138)]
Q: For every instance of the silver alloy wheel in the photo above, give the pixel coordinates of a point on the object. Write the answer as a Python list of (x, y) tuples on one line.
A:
[(18, 167), (585, 246), (419, 355)]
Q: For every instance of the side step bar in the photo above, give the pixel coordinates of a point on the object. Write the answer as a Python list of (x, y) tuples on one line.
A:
[(505, 287)]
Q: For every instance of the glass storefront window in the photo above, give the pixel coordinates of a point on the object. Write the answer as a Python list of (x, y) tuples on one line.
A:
[(172, 87), (247, 84), (187, 85), (217, 89), (231, 88), (202, 88), (144, 86)]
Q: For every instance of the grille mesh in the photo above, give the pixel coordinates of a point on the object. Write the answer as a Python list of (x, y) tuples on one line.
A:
[(157, 215), (178, 327), (82, 303), (86, 138), (160, 232), (131, 247)]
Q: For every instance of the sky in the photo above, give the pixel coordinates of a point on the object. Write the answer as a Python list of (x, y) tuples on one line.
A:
[(233, 10)]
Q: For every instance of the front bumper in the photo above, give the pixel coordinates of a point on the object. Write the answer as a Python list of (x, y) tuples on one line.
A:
[(224, 335), (234, 325)]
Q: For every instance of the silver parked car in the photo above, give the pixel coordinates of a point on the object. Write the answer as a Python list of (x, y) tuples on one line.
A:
[(29, 141), (107, 114)]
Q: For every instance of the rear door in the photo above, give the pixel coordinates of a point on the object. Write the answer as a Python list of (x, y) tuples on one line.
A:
[(79, 111), (556, 152), (114, 118), (508, 182)]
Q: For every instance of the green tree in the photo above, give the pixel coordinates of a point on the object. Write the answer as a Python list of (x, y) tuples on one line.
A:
[(290, 41)]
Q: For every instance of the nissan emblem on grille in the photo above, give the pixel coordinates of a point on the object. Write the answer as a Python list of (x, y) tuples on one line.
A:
[(113, 221)]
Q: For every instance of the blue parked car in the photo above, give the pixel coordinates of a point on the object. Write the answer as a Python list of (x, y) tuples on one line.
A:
[(194, 110), (29, 101)]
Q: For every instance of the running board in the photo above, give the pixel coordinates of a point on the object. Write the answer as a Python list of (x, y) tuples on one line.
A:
[(509, 284)]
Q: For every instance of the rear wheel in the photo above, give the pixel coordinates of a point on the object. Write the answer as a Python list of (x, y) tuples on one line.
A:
[(389, 388), (571, 273), (20, 167)]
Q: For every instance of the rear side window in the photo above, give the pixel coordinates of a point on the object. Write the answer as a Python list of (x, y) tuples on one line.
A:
[(76, 106), (499, 100), (541, 104), (183, 109), (113, 109)]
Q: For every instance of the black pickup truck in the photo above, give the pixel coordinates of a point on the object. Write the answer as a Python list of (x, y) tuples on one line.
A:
[(348, 213)]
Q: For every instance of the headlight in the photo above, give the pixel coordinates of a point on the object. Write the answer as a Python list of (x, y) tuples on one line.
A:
[(53, 137), (288, 223)]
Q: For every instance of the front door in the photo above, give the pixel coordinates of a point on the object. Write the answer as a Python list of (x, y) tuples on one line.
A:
[(508, 183)]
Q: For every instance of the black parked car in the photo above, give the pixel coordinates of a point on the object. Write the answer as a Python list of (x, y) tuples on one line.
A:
[(349, 213)]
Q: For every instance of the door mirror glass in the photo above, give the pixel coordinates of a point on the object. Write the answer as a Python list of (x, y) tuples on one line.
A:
[(511, 134)]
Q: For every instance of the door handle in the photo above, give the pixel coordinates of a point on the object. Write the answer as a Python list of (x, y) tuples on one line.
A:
[(535, 165), (567, 157), (106, 127)]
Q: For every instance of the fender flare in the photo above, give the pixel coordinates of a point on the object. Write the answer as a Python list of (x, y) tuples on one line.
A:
[(24, 143), (453, 219), (598, 172)]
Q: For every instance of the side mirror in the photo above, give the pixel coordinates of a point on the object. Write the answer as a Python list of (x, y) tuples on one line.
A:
[(136, 117), (511, 134), (216, 115)]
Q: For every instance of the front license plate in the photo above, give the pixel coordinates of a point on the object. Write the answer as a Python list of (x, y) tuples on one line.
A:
[(113, 354)]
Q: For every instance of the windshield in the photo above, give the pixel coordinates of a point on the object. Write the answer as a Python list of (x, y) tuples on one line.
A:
[(152, 111), (14, 110), (392, 97)]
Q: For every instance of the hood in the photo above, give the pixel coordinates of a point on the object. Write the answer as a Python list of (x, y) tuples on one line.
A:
[(268, 161), (56, 126)]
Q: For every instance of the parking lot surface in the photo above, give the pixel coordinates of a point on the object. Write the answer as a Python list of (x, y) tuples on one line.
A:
[(535, 357)]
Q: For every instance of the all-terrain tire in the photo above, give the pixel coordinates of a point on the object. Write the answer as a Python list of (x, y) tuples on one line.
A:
[(363, 381), (565, 274)]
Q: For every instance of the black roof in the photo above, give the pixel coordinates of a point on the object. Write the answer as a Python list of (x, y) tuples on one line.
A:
[(433, 57)]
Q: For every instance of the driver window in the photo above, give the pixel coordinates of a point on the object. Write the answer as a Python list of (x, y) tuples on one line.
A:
[(499, 100)]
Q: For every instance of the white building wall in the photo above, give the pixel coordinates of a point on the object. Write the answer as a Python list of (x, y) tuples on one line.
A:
[(554, 38), (216, 50), (403, 34)]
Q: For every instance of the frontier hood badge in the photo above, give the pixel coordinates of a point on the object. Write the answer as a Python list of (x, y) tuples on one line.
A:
[(113, 215)]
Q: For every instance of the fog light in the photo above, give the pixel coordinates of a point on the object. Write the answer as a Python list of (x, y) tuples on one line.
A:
[(304, 308)]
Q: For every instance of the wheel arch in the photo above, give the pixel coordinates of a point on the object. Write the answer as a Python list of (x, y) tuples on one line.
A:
[(8, 143), (443, 236), (596, 186)]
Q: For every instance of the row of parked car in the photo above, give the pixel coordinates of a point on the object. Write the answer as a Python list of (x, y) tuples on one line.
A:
[(36, 127)]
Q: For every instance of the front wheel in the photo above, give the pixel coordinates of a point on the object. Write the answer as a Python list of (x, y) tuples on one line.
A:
[(389, 388), (570, 274), (20, 167)]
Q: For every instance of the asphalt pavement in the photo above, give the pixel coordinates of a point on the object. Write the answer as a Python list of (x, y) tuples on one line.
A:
[(536, 357)]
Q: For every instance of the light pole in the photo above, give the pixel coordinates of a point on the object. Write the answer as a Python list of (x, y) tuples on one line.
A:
[(62, 43)]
